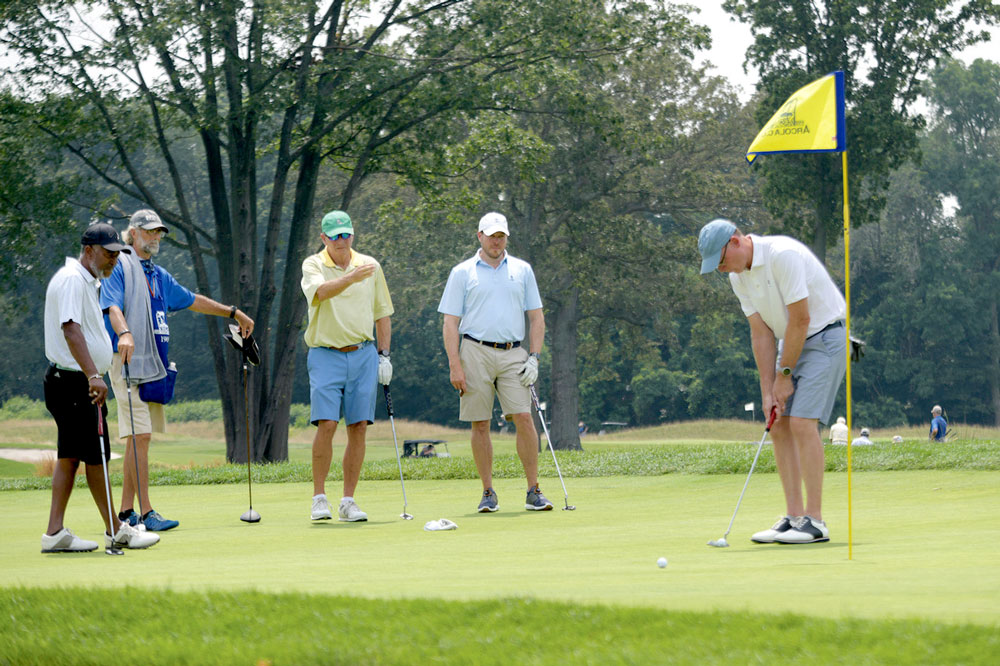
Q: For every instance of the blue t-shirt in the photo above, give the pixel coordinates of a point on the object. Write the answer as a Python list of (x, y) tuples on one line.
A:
[(942, 428), (165, 295)]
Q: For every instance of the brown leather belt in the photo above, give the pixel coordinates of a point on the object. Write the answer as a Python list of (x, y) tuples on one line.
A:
[(495, 345), (349, 348)]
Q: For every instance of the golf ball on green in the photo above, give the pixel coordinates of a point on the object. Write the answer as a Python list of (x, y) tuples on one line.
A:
[(662, 563)]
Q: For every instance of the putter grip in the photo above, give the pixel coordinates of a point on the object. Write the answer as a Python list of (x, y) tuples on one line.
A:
[(770, 420), (388, 399)]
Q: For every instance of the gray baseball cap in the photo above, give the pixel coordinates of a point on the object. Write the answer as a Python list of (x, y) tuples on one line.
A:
[(147, 219)]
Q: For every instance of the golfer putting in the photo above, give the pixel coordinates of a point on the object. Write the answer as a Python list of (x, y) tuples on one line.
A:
[(796, 314), (484, 305)]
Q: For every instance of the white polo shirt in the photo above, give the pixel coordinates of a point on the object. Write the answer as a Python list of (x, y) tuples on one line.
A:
[(785, 271), (72, 295)]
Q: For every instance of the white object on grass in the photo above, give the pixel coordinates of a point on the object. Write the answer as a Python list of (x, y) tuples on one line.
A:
[(662, 563), (439, 525)]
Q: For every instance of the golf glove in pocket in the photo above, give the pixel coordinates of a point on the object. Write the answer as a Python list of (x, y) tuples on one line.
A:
[(384, 370), (529, 371)]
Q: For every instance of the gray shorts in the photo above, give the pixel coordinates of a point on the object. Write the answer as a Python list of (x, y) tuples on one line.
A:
[(817, 375)]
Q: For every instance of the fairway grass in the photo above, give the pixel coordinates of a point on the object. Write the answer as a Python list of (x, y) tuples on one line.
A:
[(924, 546)]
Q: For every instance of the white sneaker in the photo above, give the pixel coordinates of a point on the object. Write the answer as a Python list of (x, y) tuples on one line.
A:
[(767, 536), (65, 541), (805, 530), (129, 537), (321, 509), (350, 513)]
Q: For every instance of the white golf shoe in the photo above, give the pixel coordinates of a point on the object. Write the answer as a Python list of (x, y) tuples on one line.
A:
[(350, 513), (805, 530), (130, 537), (321, 509), (769, 535), (65, 541)]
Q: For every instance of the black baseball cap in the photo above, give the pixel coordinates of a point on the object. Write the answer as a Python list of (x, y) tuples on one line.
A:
[(104, 234)]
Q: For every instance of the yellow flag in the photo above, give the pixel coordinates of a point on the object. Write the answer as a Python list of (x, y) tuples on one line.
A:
[(811, 120)]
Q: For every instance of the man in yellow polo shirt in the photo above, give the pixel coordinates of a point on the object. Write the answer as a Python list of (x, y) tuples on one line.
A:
[(347, 297)]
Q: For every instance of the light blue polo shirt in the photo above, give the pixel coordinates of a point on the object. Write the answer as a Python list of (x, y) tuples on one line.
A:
[(491, 302)]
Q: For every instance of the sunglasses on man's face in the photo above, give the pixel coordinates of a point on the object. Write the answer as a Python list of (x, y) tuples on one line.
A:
[(339, 236)]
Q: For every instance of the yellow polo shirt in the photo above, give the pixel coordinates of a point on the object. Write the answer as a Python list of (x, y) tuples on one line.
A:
[(349, 317)]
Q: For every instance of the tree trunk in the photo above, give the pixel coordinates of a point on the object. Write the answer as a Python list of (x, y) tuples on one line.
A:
[(565, 410), (994, 356)]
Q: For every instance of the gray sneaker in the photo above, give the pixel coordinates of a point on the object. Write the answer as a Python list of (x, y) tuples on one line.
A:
[(535, 501), (489, 503)]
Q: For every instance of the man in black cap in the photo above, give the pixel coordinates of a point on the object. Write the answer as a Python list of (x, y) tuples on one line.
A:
[(79, 353), (136, 298)]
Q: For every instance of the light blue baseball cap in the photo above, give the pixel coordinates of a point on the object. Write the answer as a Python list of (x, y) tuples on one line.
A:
[(712, 238)]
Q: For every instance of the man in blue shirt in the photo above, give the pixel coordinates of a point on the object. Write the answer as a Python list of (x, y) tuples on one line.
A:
[(136, 300), (484, 304), (939, 427)]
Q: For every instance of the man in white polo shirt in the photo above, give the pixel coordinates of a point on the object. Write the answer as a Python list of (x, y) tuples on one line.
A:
[(79, 352), (787, 296)]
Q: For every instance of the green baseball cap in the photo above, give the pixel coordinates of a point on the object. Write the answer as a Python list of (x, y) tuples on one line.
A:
[(337, 222), (712, 238)]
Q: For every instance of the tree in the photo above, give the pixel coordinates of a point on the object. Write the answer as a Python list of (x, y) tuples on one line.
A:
[(222, 115), (885, 47), (965, 146)]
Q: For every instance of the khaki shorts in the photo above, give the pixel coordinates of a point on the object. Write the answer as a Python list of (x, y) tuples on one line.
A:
[(148, 416), (490, 372)]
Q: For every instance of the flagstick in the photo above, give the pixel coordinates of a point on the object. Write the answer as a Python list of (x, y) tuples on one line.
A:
[(847, 298)]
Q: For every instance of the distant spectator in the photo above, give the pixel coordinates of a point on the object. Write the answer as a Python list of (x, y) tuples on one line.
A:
[(583, 428), (863, 439), (428, 452), (838, 432), (939, 427), (897, 439)]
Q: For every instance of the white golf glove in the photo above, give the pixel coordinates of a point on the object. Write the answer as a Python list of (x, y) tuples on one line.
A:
[(384, 370), (529, 371)]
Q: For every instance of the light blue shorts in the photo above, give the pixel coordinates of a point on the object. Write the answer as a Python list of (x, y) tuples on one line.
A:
[(818, 374), (342, 384)]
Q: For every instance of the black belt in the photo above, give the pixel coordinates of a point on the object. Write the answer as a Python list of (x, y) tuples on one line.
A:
[(495, 345), (826, 328)]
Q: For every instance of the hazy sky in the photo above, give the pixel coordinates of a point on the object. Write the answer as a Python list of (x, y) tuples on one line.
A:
[(730, 40)]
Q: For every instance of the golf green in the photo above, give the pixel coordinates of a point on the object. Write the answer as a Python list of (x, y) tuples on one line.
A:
[(923, 545)]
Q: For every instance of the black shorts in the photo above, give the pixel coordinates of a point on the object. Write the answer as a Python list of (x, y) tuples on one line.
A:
[(67, 397)]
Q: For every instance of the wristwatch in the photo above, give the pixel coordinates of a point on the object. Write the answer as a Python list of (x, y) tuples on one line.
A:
[(384, 352), (232, 312), (785, 371), (537, 356)]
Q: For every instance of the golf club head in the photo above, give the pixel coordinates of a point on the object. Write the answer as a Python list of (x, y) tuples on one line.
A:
[(569, 507), (405, 516), (111, 550), (246, 346), (250, 516), (719, 543)]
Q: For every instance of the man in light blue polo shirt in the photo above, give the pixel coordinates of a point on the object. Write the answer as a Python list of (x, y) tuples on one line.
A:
[(484, 304)]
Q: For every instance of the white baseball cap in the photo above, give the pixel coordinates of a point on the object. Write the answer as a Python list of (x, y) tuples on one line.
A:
[(491, 223)]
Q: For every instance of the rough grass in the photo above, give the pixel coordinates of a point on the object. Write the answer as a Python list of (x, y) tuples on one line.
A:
[(625, 461), (258, 628)]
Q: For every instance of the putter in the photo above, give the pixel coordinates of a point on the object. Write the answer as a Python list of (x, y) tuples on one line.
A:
[(135, 451), (541, 417), (722, 543), (249, 516), (110, 550), (388, 408)]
